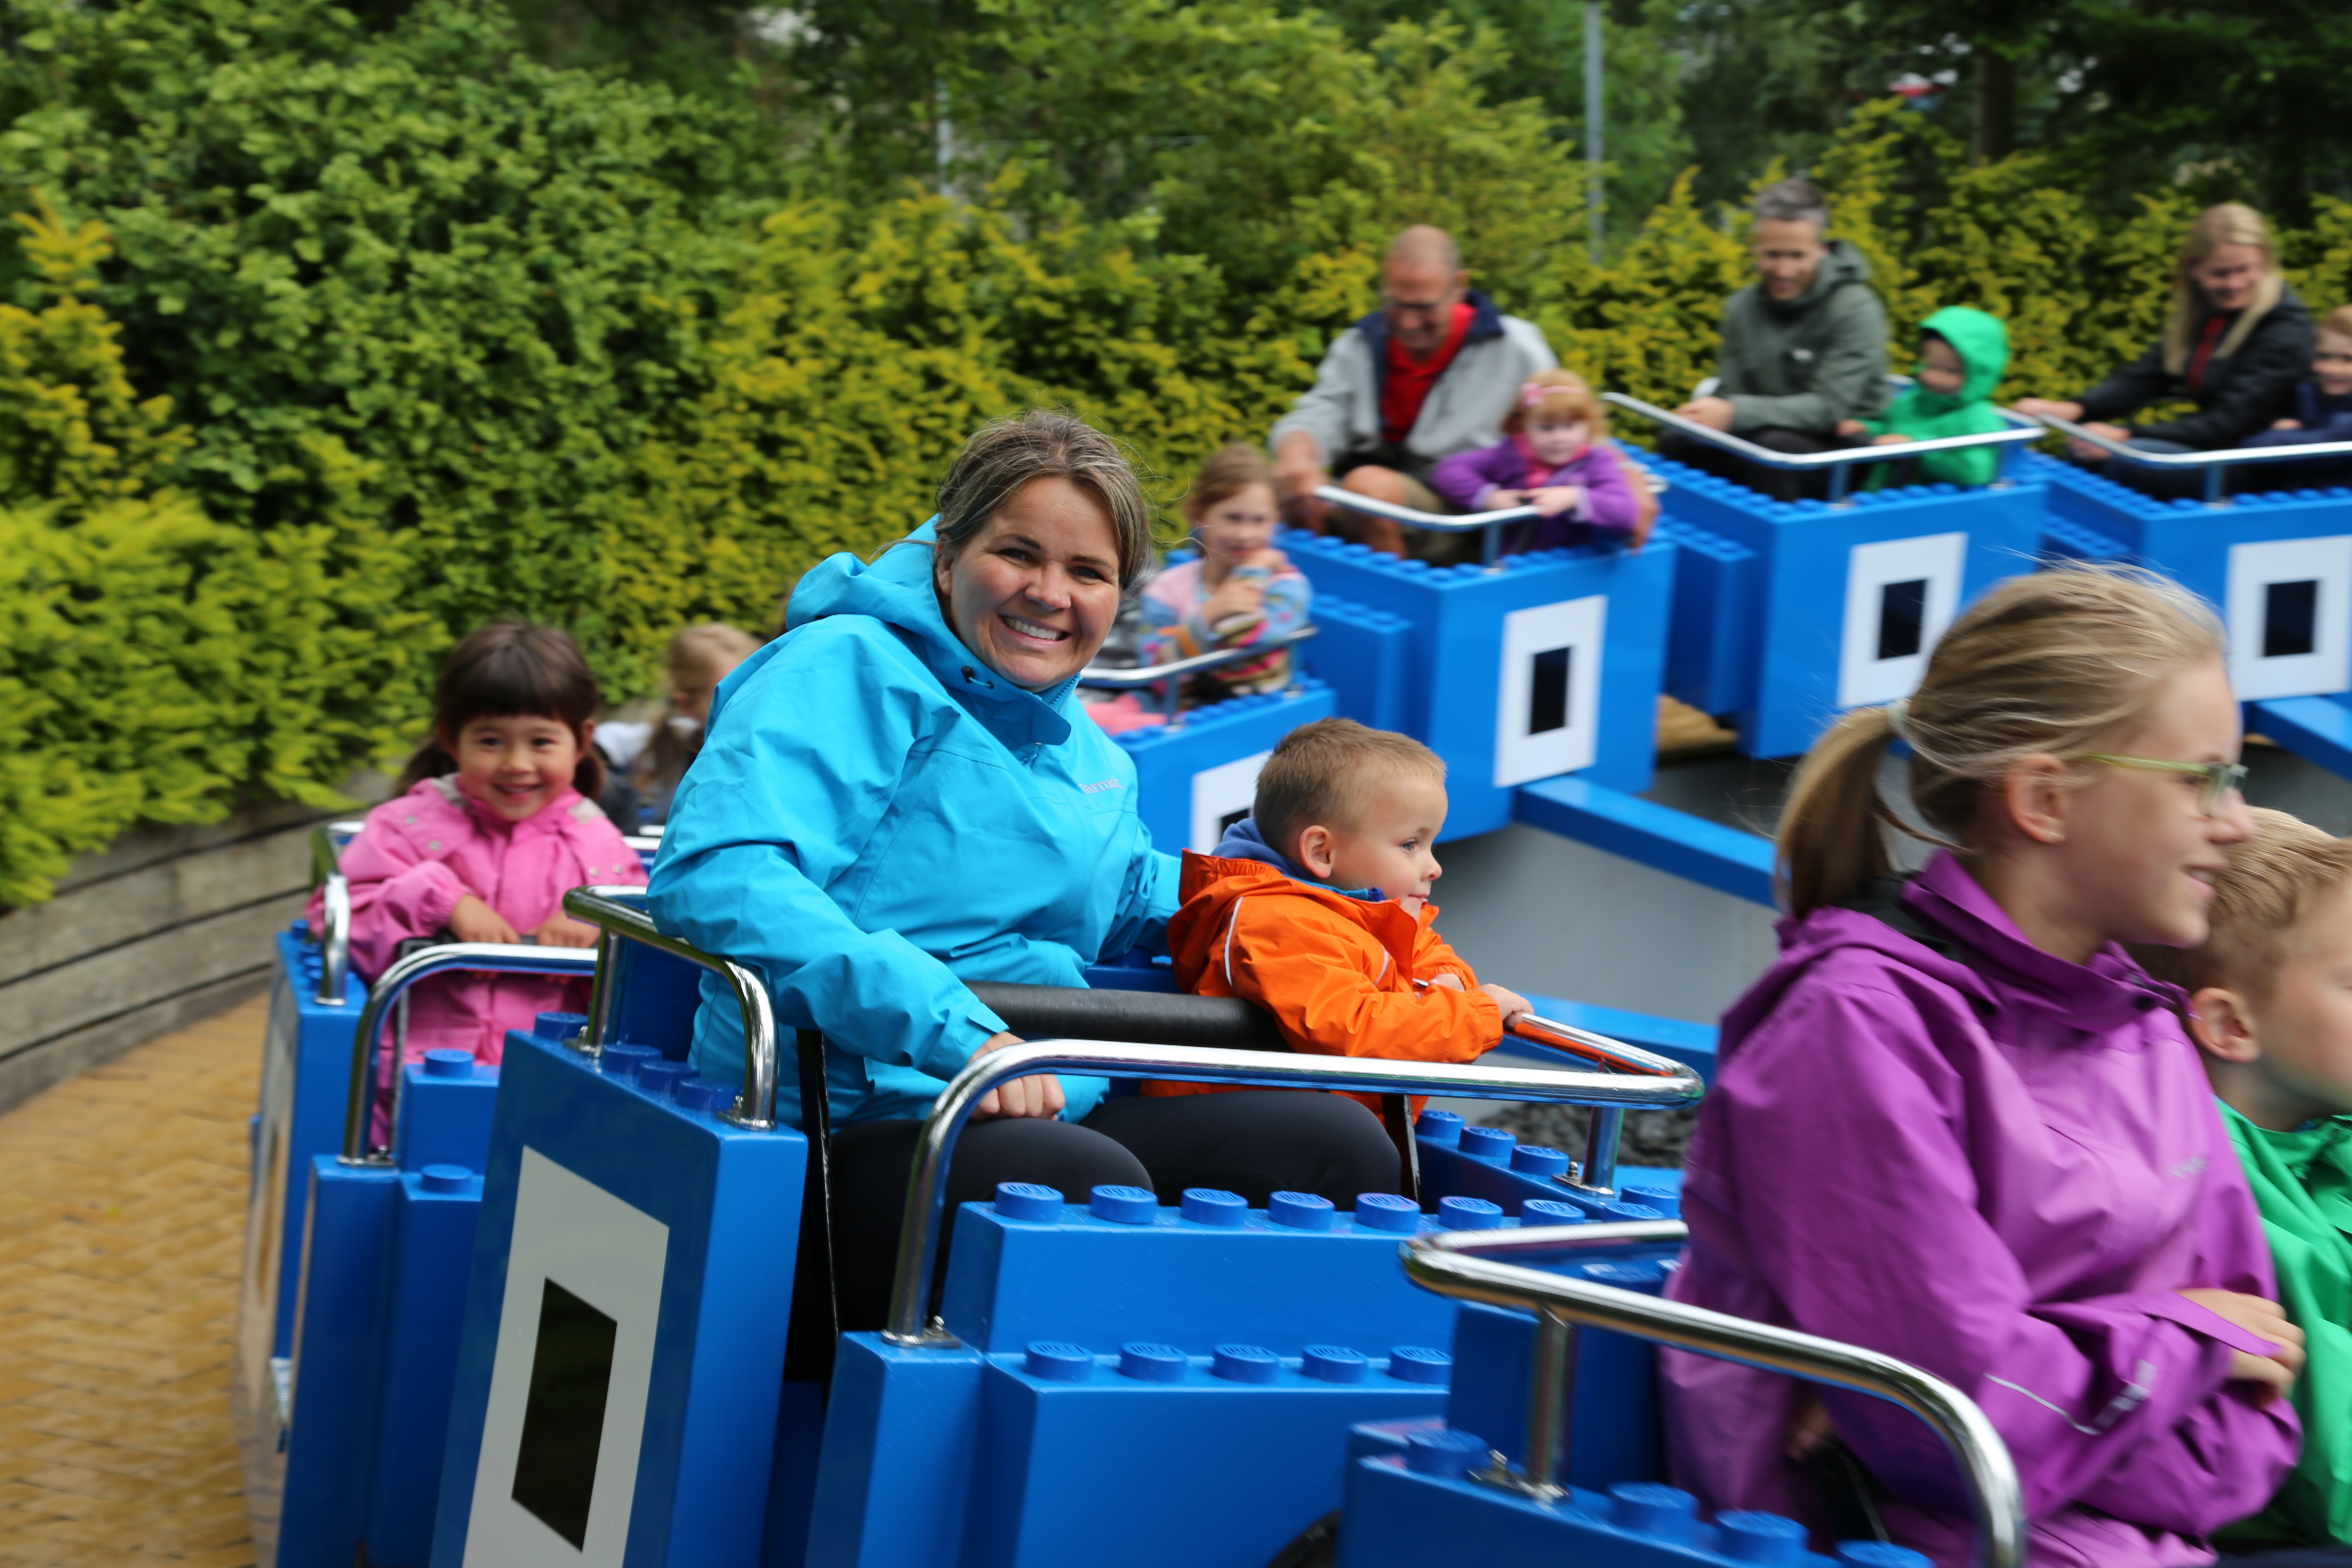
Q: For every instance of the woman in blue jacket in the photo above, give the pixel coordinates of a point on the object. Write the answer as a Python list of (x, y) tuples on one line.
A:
[(898, 796)]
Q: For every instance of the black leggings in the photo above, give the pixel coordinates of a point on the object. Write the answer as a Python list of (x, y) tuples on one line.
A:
[(1253, 1143)]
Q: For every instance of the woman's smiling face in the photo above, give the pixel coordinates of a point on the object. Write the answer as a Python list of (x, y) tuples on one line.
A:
[(1035, 591)]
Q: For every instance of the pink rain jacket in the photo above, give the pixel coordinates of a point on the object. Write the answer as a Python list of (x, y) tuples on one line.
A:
[(423, 851), (2000, 1172)]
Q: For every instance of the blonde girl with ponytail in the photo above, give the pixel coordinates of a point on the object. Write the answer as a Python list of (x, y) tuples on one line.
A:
[(1956, 1123)]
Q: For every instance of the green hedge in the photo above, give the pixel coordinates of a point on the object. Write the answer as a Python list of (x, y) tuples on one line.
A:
[(401, 330)]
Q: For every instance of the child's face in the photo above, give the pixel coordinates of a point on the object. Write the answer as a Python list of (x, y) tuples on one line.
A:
[(1940, 369), (1239, 526), (516, 765), (2331, 367), (2300, 1032), (694, 701), (1390, 844), (1556, 437)]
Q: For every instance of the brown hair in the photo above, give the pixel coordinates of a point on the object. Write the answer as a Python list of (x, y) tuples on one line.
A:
[(2232, 223), (2274, 880), (2046, 663), (1044, 444), (2338, 322), (503, 669), (1226, 475), (1316, 777), (1564, 392)]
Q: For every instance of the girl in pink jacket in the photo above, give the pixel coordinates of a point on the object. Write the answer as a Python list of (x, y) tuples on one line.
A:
[(494, 822)]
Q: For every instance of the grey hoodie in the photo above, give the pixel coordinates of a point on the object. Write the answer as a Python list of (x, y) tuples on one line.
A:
[(1807, 363)]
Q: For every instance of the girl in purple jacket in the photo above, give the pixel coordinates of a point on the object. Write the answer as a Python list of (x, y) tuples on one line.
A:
[(1956, 1124), (1553, 457)]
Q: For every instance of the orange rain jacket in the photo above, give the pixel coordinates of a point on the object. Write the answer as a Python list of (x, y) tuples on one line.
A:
[(1336, 973)]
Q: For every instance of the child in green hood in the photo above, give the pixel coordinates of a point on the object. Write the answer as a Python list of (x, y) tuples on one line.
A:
[(1962, 354), (2269, 1007)]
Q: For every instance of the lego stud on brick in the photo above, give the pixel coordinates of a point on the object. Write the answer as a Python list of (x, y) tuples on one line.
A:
[(558, 1026), (1028, 1200), (1058, 1363), (1545, 1211), (1443, 1452), (446, 1178), (1469, 1214), (1121, 1206), (1334, 1364), (1625, 1211), (1152, 1363), (1653, 1507), (1300, 1211), (626, 1061), (447, 1063), (1210, 1206), (1419, 1364), (1439, 1128), (1666, 1200), (1538, 1161), (1881, 1554), (1646, 1275), (1245, 1363), (654, 1077), (1488, 1142), (698, 1093), (1386, 1211), (1750, 1536)]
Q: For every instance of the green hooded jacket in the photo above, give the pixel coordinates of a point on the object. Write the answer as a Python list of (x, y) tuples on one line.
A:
[(1982, 343), (1807, 363), (2302, 1184)]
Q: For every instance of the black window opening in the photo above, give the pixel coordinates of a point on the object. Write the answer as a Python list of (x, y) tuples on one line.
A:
[(2290, 618), (1225, 823), (1547, 693), (563, 1416), (1902, 618)]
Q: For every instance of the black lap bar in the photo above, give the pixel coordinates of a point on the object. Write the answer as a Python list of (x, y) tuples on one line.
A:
[(1140, 1017)]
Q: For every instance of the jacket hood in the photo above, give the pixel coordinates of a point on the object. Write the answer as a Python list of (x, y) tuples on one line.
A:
[(1487, 322), (896, 589), (1244, 842), (1211, 884), (1982, 343), (1841, 266), (1943, 927)]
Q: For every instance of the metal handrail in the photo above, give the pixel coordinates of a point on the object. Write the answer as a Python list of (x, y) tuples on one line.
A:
[(1492, 522), (1460, 1264), (2020, 432), (926, 1186), (485, 957), (334, 915), (1108, 678), (2212, 464), (616, 923), (1597, 1173)]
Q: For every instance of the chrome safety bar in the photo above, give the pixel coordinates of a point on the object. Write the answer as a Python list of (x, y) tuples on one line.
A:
[(1109, 677), (1597, 1175), (616, 923), (483, 957), (1492, 522), (927, 1189), (334, 913), (1463, 1265), (1838, 459), (2213, 464)]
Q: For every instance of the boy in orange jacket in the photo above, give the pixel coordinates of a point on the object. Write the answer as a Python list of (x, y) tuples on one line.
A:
[(1316, 908)]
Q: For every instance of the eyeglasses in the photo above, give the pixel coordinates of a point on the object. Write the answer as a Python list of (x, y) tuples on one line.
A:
[(2222, 779)]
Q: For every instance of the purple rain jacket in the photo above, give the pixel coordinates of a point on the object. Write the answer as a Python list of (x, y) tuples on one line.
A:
[(1609, 505), (2000, 1173)]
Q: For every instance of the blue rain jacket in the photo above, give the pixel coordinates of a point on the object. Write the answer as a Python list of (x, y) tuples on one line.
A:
[(876, 817)]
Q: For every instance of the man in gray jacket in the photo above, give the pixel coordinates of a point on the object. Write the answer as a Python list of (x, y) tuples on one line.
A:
[(1804, 349), (1430, 373)]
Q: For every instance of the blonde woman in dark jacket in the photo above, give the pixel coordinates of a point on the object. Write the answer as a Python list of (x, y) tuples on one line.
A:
[(2237, 339)]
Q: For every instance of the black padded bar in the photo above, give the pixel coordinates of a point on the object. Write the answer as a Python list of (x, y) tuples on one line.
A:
[(1143, 1018)]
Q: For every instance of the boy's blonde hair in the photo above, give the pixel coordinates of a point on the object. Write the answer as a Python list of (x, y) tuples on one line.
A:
[(1317, 776), (1556, 392), (2274, 880)]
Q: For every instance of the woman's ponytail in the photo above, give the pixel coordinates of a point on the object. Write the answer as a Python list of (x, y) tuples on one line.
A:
[(1832, 836), (2050, 663)]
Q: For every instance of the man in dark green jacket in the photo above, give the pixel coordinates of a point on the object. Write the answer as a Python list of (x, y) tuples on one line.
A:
[(1804, 346)]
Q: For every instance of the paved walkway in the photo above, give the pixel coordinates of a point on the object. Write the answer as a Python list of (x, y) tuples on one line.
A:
[(122, 1221)]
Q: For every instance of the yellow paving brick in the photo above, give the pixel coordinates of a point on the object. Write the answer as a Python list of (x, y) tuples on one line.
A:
[(122, 1236)]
